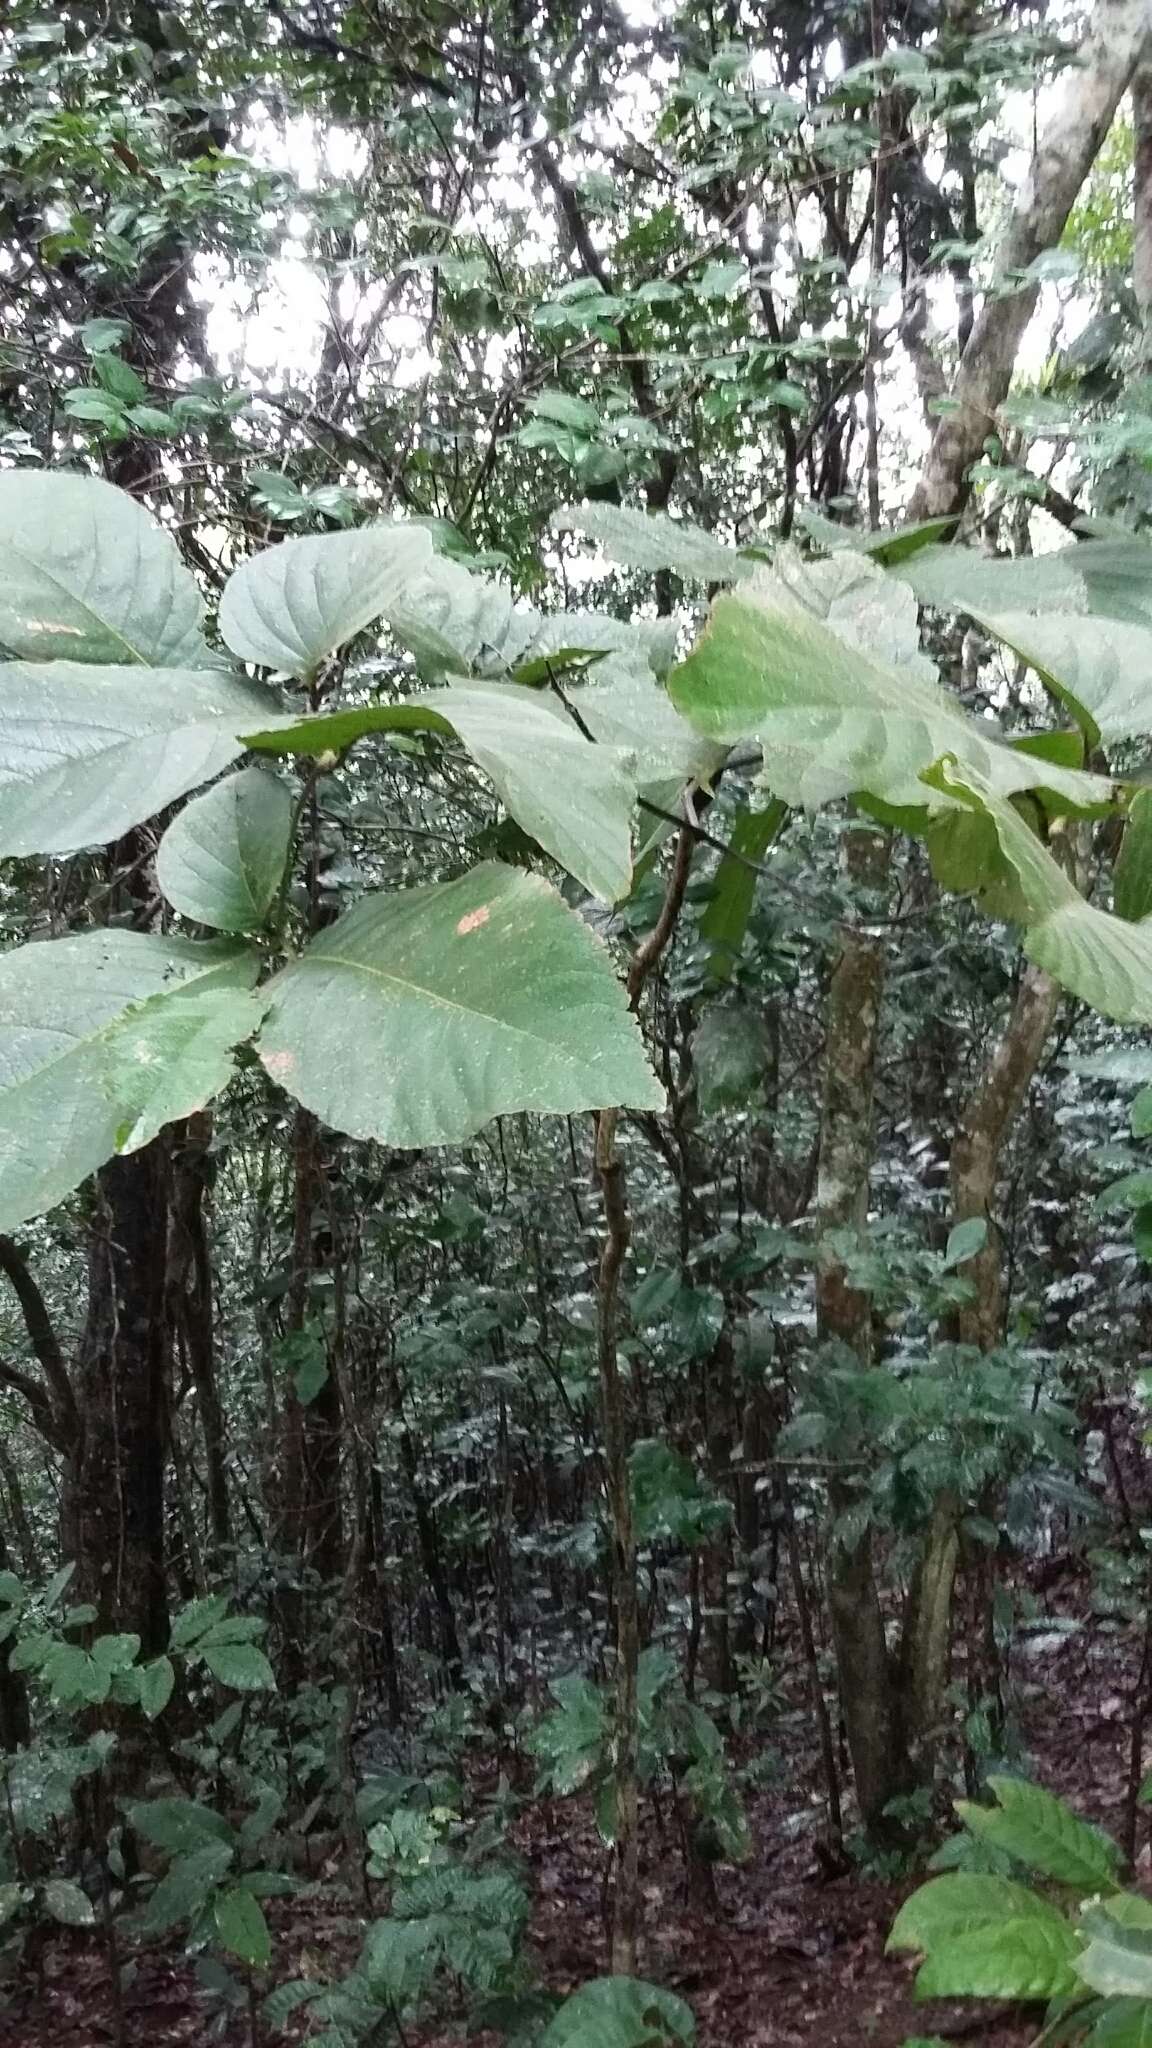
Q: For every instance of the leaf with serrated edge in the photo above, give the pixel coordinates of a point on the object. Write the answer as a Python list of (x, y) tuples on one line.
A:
[(1039, 1831), (104, 1038), (419, 1016), (292, 605), (221, 861), (89, 577), (958, 1904), (88, 752), (1024, 1958)]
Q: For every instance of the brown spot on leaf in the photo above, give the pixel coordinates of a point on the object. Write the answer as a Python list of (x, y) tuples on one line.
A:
[(474, 920)]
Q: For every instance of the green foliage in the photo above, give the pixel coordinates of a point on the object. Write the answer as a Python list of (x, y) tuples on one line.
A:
[(620, 2012), (221, 861), (105, 1038), (460, 1001), (679, 1746), (89, 577), (985, 1936), (88, 752), (291, 606)]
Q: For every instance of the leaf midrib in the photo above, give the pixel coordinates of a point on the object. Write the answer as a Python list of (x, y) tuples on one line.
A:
[(430, 995)]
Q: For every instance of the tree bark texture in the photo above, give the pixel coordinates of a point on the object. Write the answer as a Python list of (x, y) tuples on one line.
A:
[(1088, 97)]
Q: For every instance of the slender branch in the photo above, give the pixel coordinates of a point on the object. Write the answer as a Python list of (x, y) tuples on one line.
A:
[(42, 1337)]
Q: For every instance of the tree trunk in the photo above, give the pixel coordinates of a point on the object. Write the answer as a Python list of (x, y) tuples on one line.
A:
[(1089, 95), (844, 1315), (985, 1126), (113, 1511)]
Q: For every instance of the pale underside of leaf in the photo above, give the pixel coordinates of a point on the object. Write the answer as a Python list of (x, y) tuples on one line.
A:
[(420, 1016), (291, 606), (221, 861), (573, 797), (1102, 666), (104, 1038), (89, 577), (1099, 957), (88, 752), (653, 541), (832, 720)]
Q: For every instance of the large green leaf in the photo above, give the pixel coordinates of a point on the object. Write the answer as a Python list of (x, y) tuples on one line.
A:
[(620, 2012), (185, 1888), (88, 576), (222, 860), (1111, 577), (960, 1903), (724, 919), (86, 753), (1024, 1958), (575, 798), (292, 605), (1118, 1959), (1132, 874), (420, 1015), (1103, 959), (241, 1927), (964, 580), (831, 717), (1099, 667), (651, 540), (65, 1903), (178, 1825), (453, 619), (1038, 1830), (1123, 2023), (104, 1038)]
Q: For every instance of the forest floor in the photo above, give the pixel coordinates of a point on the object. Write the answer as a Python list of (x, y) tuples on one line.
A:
[(794, 1958)]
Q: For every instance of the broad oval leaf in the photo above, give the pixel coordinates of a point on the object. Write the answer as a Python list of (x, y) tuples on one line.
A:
[(1098, 667), (1039, 1831), (242, 1666), (291, 606), (222, 860), (104, 1038), (651, 540), (1109, 577), (66, 1903), (86, 752), (574, 797), (157, 1681), (960, 1903), (1017, 1958), (421, 1015), (89, 577), (834, 719), (621, 2012), (241, 1926)]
